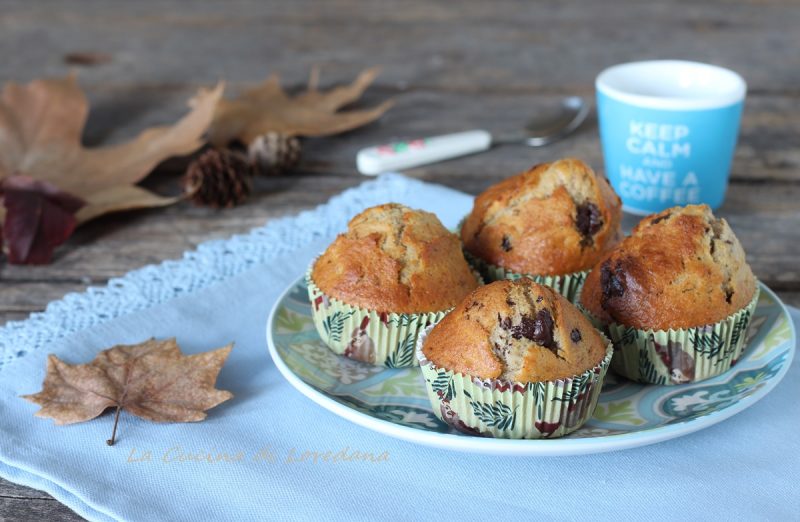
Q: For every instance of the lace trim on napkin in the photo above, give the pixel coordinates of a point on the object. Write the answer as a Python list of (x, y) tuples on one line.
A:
[(211, 262)]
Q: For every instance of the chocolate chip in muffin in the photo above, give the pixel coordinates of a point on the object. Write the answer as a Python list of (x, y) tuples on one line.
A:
[(523, 329), (659, 219), (538, 329), (506, 244), (543, 331), (588, 221), (612, 282), (575, 335), (728, 295), (510, 302), (473, 305)]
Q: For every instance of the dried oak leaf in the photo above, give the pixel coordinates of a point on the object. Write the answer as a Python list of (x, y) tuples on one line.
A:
[(39, 217), (267, 108), (41, 124), (152, 380)]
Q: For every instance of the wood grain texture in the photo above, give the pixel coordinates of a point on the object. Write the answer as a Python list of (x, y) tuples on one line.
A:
[(449, 66)]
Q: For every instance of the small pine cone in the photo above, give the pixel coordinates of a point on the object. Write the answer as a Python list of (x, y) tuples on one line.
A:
[(218, 178), (273, 153)]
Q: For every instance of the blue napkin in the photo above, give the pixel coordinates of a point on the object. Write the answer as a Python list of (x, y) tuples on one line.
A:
[(745, 468)]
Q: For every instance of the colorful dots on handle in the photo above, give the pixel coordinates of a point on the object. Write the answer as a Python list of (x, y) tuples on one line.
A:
[(401, 146)]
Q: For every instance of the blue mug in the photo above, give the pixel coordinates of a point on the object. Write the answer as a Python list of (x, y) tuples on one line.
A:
[(668, 130)]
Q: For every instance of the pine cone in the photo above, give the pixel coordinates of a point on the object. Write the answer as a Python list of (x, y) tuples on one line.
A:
[(273, 153), (218, 178)]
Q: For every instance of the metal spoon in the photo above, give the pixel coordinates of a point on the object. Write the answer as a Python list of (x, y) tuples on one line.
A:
[(423, 151)]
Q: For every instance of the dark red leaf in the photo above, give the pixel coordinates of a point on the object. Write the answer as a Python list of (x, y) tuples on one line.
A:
[(39, 217)]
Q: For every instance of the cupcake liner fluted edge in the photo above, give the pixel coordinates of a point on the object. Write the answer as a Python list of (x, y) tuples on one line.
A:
[(379, 338), (568, 285), (677, 356), (512, 410)]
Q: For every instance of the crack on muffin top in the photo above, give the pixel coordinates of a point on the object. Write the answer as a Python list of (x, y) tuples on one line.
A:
[(553, 219), (578, 185), (528, 322), (394, 258), (530, 340)]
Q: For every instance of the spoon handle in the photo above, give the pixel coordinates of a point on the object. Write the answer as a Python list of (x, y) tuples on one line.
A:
[(413, 153)]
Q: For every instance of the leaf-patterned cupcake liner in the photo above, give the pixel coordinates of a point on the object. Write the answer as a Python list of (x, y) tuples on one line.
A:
[(379, 338), (677, 356), (512, 410), (568, 285)]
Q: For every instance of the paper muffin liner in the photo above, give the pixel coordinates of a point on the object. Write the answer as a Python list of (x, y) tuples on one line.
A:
[(512, 410), (568, 285), (379, 338), (677, 356)]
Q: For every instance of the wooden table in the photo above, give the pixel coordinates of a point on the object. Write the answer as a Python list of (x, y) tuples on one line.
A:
[(450, 66)]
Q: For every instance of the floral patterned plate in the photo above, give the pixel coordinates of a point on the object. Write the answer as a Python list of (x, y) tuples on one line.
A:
[(394, 401)]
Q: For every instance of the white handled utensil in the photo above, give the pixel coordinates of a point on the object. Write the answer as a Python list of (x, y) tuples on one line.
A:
[(423, 151)]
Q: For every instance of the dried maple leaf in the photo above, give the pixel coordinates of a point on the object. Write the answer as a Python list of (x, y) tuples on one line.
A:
[(39, 217), (267, 108), (152, 380), (40, 136)]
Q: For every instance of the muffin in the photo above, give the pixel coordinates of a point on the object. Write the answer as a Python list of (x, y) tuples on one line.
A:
[(676, 297), (514, 359), (551, 223), (392, 273)]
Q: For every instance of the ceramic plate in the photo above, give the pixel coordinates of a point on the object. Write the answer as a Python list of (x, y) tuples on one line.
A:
[(394, 401)]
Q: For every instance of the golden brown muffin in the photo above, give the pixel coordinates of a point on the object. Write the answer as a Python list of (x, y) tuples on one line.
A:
[(556, 218), (515, 330), (395, 259), (679, 268)]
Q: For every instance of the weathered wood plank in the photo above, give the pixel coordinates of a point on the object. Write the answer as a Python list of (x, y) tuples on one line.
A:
[(22, 509), (519, 45), (11, 490)]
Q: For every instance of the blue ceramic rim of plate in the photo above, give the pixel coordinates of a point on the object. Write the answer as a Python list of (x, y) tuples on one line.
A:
[(525, 447)]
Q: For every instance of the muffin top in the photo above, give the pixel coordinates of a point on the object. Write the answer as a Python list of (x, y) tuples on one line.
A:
[(515, 330), (679, 268), (395, 259), (556, 218)]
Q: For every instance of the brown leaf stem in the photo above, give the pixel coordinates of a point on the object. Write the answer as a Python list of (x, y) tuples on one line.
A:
[(110, 441)]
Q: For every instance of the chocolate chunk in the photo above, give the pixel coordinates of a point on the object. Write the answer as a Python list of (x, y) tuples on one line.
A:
[(612, 282), (539, 299), (588, 221), (510, 301), (543, 330), (659, 219), (538, 329), (575, 335), (728, 295), (506, 245), (523, 329)]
